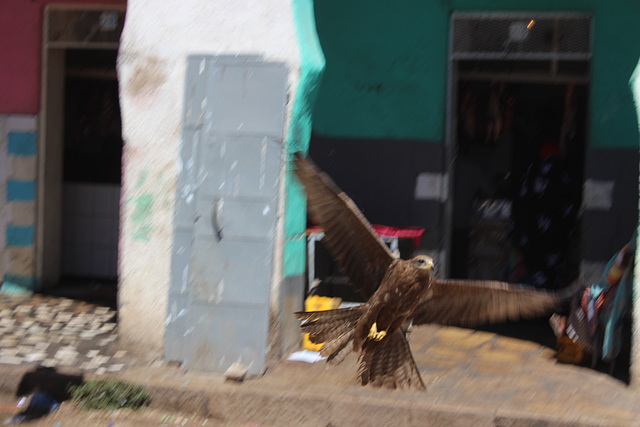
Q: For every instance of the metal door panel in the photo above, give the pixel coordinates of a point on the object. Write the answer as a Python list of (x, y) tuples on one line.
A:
[(247, 166), (222, 335), (187, 182), (253, 99), (230, 272), (182, 248), (227, 197), (176, 327), (235, 218)]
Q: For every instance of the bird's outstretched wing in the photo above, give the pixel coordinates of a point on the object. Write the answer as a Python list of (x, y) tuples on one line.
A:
[(348, 236), (477, 302)]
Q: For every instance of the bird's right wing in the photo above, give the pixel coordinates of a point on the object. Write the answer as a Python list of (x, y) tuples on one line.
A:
[(348, 236), (478, 302)]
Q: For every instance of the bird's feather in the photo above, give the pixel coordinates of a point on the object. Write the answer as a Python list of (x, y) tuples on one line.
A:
[(348, 236), (390, 365), (478, 302)]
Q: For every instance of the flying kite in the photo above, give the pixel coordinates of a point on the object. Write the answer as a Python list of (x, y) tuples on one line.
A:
[(396, 291)]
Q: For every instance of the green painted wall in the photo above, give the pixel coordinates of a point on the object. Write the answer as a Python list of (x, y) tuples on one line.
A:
[(386, 68), (312, 65)]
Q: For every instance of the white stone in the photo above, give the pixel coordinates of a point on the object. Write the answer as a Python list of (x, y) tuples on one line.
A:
[(11, 360), (34, 357)]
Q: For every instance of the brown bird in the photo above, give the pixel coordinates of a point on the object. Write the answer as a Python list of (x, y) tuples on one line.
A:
[(396, 290)]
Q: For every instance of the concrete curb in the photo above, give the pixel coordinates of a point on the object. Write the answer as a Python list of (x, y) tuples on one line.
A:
[(226, 403)]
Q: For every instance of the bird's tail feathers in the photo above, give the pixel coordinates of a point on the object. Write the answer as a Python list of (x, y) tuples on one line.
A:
[(390, 365), (334, 328)]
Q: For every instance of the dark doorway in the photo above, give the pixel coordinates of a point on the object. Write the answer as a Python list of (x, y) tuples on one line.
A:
[(505, 130), (91, 175)]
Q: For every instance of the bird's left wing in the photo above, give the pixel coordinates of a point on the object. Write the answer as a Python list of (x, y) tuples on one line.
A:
[(348, 236), (477, 302)]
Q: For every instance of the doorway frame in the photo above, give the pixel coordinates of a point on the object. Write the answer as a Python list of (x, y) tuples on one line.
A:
[(453, 58), (48, 234)]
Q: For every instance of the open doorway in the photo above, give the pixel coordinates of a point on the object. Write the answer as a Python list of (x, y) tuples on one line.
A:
[(518, 173), (518, 120), (91, 173), (82, 150)]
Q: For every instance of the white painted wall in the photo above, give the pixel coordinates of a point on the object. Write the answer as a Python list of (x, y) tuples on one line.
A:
[(156, 41)]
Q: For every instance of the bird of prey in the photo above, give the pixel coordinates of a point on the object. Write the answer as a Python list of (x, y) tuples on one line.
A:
[(396, 291)]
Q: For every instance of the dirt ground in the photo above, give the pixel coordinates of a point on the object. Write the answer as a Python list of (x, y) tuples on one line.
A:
[(68, 415)]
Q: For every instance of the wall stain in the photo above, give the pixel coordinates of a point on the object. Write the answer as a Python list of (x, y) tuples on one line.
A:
[(147, 77), (142, 217)]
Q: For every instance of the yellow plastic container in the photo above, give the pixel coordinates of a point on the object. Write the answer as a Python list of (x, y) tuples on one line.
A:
[(318, 303)]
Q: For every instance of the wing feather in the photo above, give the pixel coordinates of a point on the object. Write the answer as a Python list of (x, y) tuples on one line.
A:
[(477, 302), (390, 365), (349, 237)]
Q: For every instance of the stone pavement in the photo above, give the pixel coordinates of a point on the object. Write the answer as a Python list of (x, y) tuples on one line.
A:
[(472, 377), (58, 332)]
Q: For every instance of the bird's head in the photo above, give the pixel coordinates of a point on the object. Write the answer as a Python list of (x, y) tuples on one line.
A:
[(423, 262)]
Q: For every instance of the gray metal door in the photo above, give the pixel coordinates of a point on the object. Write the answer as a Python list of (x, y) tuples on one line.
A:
[(231, 157)]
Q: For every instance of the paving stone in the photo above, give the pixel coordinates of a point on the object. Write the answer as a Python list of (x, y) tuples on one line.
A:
[(101, 371), (55, 339), (68, 339), (11, 351), (7, 322), (87, 366), (11, 360), (120, 354), (49, 363), (35, 357), (95, 325), (63, 317), (41, 346), (89, 334), (104, 342), (68, 356), (8, 342), (101, 360), (24, 348), (116, 367), (92, 353), (107, 327), (102, 310), (34, 339), (36, 329)]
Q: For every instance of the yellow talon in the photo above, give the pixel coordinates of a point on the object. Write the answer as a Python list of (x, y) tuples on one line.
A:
[(374, 334)]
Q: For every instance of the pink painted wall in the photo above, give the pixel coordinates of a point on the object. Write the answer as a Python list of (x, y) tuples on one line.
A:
[(21, 52)]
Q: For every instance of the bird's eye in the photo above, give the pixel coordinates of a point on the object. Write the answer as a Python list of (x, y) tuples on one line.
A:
[(420, 261)]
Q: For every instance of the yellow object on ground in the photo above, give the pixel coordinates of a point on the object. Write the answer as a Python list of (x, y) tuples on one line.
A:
[(318, 303)]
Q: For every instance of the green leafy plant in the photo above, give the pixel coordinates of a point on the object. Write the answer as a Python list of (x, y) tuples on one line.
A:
[(109, 394)]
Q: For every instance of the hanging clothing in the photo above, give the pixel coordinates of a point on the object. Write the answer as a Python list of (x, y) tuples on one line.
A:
[(545, 221)]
